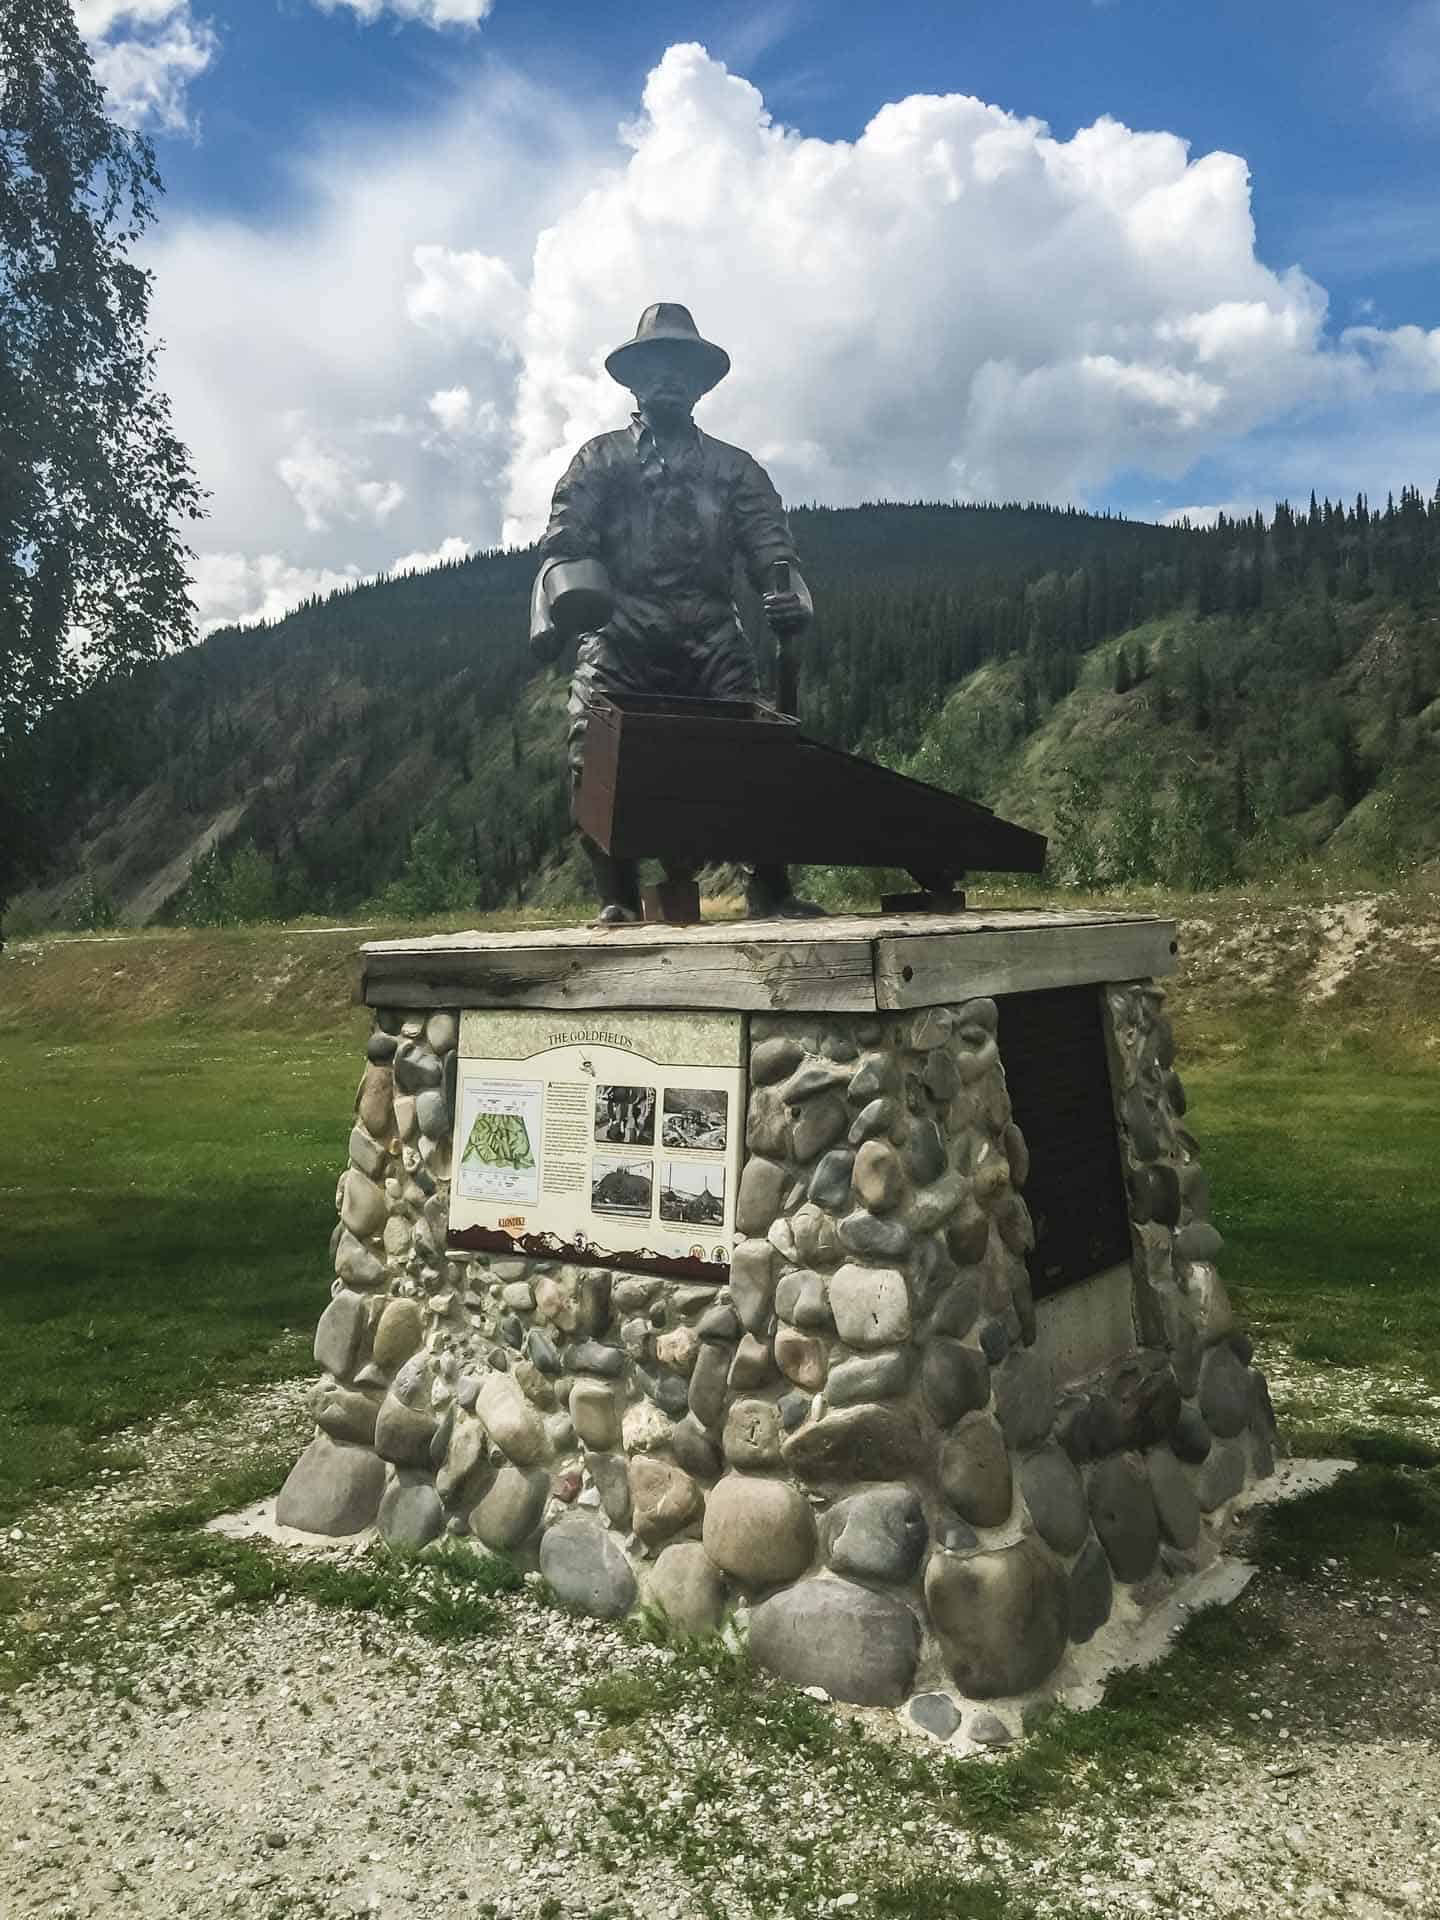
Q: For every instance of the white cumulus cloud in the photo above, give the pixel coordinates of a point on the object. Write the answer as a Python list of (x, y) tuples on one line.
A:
[(953, 304), (453, 547), (430, 13), (452, 407), (296, 373), (328, 486), (237, 589), (146, 53), (461, 294), (1207, 514)]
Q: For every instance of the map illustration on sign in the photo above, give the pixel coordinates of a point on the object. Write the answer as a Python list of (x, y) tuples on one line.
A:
[(500, 1127), (612, 1145)]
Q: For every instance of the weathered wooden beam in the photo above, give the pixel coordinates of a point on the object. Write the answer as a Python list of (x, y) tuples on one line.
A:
[(851, 964), (929, 970), (819, 974)]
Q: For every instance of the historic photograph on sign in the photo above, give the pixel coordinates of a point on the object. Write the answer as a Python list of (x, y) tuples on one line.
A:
[(695, 1117), (500, 1137), (625, 1116), (621, 1186), (693, 1191)]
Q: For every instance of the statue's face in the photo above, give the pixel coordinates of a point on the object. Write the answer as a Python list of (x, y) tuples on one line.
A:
[(666, 380)]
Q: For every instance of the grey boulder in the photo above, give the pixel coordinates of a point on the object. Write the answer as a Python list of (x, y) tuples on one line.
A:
[(872, 1376), (1223, 1474), (975, 1472), (1001, 1617), (856, 1443), (1092, 1592), (411, 1515), (752, 1284), (772, 1060), (1175, 1500), (402, 1434), (830, 1182), (1024, 1398), (878, 1534), (587, 1569), (331, 1489), (1055, 1495), (337, 1338), (1191, 1438), (871, 1306), (935, 1713), (1226, 1394), (760, 1530), (955, 1378), (1123, 1510), (861, 1647), (688, 1587), (873, 1238), (511, 1507)]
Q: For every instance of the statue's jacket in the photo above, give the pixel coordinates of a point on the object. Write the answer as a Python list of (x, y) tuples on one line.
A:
[(669, 530)]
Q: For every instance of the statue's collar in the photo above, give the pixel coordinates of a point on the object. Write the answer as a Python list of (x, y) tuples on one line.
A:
[(647, 448)]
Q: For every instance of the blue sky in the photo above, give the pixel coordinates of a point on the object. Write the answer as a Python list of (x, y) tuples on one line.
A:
[(1344, 157), (355, 178)]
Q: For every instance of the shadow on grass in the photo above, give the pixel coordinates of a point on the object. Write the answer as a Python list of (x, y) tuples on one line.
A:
[(1382, 1520), (936, 1896)]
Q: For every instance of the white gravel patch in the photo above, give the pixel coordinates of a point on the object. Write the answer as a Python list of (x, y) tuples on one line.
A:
[(1368, 1399), (298, 1761)]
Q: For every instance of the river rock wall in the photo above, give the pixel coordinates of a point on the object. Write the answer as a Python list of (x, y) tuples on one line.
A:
[(855, 1438)]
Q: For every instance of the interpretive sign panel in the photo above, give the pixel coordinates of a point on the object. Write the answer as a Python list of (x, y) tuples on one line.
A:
[(611, 1139)]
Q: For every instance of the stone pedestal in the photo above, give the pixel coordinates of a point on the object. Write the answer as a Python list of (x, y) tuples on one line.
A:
[(917, 1482)]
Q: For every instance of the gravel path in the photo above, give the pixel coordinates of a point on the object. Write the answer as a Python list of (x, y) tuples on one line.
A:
[(294, 1760)]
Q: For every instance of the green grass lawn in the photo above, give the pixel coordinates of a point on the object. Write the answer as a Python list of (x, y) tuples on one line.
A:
[(168, 1198), (1326, 1183)]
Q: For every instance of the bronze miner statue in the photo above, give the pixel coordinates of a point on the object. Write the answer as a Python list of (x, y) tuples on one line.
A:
[(638, 561)]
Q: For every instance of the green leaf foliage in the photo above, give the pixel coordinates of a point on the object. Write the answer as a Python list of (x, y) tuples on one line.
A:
[(92, 479)]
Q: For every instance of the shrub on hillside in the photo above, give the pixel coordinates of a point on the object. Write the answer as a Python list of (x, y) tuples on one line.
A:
[(230, 889), (437, 875)]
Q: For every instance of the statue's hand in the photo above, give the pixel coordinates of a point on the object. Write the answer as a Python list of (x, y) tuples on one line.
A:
[(786, 613)]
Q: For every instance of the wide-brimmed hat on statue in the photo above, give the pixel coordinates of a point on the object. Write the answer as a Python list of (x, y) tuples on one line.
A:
[(667, 321)]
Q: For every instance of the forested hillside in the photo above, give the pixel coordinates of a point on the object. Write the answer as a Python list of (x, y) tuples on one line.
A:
[(1168, 702)]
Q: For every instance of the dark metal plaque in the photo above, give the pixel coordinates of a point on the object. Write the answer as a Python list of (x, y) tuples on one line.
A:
[(1052, 1044)]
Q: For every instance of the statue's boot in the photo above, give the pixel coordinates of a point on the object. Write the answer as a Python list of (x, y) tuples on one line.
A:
[(617, 882), (768, 896)]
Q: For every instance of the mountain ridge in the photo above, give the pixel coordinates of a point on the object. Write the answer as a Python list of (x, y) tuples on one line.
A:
[(394, 743)]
